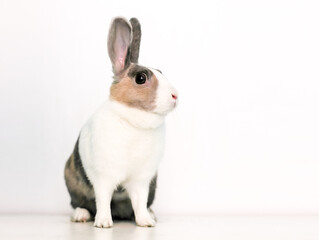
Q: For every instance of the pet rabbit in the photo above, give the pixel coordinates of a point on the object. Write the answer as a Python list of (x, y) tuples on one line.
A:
[(112, 171)]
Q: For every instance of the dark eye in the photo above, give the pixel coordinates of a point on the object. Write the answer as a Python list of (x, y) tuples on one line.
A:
[(140, 78)]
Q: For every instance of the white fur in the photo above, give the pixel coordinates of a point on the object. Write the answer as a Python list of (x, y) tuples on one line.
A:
[(122, 145), (81, 215), (164, 100)]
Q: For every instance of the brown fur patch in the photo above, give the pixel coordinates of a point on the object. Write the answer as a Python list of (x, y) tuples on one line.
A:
[(127, 91), (78, 185)]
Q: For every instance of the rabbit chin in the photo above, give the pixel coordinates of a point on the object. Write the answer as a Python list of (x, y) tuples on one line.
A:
[(165, 108)]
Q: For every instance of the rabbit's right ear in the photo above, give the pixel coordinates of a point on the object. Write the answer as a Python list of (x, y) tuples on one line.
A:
[(119, 41), (136, 41)]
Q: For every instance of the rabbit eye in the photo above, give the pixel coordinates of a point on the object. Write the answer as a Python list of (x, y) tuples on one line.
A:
[(140, 78)]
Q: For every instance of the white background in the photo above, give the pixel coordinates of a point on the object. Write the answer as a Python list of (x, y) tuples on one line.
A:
[(245, 137)]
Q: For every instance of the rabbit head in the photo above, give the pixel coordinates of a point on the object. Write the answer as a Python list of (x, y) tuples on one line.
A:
[(135, 85)]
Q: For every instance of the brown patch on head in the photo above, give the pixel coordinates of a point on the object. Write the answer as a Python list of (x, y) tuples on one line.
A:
[(125, 90)]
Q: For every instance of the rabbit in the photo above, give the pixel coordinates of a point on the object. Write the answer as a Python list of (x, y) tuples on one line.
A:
[(112, 171)]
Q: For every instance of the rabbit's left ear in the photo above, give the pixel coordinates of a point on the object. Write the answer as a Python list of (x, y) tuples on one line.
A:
[(119, 41), (136, 41)]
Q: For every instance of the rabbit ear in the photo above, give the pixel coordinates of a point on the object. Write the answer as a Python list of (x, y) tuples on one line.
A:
[(119, 41), (135, 47)]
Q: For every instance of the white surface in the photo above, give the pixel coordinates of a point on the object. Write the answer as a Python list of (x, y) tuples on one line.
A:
[(17, 227), (245, 135)]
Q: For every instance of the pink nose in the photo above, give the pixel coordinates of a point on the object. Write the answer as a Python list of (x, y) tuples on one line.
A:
[(174, 96)]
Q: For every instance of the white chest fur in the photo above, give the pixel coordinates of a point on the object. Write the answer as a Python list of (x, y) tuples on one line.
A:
[(120, 143)]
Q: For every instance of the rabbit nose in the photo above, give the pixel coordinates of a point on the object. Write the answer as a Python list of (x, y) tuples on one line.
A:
[(174, 96)]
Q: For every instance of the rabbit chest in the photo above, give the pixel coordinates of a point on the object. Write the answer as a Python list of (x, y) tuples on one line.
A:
[(112, 147)]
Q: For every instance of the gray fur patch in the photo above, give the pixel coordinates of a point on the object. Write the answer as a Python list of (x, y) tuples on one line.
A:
[(120, 195), (135, 69), (136, 41)]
